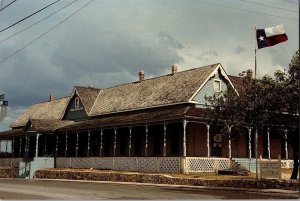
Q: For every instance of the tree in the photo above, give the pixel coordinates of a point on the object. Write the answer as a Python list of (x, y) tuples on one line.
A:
[(264, 103)]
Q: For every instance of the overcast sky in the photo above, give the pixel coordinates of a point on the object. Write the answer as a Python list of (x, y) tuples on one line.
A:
[(109, 41)]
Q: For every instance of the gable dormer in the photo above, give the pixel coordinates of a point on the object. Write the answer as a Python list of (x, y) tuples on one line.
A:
[(216, 83), (75, 109)]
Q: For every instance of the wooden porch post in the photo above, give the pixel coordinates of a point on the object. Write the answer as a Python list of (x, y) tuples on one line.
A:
[(146, 141), (56, 146), (269, 148), (286, 144), (101, 141), (208, 143), (165, 140), (6, 145), (27, 145), (76, 154), (115, 141), (20, 150), (13, 147), (89, 143), (229, 141), (66, 148), (249, 145), (45, 146), (129, 143), (184, 139), (37, 145)]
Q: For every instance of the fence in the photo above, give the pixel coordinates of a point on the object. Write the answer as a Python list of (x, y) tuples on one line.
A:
[(148, 164)]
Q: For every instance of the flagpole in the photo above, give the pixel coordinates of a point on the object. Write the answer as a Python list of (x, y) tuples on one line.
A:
[(256, 133), (255, 50)]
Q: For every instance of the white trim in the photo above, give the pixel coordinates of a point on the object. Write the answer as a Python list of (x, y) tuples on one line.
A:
[(219, 66)]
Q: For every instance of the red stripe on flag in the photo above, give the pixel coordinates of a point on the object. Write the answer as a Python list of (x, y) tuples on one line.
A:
[(273, 40)]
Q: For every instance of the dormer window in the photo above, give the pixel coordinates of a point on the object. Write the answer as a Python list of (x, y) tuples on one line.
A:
[(217, 85), (76, 102)]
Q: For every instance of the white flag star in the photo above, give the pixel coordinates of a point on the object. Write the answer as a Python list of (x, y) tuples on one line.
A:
[(261, 38)]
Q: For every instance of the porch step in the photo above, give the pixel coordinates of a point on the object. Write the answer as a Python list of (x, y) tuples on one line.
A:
[(248, 164)]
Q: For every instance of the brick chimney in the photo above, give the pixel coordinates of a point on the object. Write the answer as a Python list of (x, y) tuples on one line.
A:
[(174, 69), (249, 73), (141, 75), (51, 98)]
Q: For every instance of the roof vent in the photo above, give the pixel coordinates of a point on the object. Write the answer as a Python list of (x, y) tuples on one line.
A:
[(141, 75), (174, 69), (51, 98)]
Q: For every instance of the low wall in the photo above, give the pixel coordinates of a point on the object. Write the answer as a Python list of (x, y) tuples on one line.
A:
[(161, 179), (8, 172)]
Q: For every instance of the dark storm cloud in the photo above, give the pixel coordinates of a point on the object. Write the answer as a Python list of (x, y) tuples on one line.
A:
[(112, 52)]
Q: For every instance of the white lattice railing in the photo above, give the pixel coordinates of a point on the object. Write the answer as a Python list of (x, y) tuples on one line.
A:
[(148, 164), (141, 164), (203, 164), (10, 162)]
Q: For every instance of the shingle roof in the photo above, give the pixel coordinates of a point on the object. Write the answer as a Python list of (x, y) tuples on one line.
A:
[(155, 92), (159, 91), (87, 96), (127, 119), (48, 125), (237, 82), (46, 110)]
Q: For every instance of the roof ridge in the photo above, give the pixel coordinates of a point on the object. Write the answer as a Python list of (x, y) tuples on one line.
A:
[(50, 101), (180, 72)]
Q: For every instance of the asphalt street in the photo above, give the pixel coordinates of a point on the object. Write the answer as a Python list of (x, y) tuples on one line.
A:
[(79, 190)]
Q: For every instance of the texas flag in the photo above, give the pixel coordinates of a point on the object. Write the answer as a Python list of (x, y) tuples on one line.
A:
[(270, 36)]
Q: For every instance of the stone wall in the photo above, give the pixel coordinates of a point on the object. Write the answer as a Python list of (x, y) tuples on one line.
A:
[(162, 179), (8, 172)]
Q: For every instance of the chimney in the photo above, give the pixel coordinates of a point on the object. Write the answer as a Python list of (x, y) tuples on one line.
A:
[(91, 86), (141, 75), (51, 98), (249, 73), (174, 69)]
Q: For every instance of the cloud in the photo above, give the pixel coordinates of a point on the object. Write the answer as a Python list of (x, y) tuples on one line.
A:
[(240, 50)]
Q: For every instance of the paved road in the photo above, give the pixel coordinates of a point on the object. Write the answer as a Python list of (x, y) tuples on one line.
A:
[(50, 189)]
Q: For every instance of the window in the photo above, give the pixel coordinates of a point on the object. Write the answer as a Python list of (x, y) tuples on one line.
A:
[(76, 102), (217, 85)]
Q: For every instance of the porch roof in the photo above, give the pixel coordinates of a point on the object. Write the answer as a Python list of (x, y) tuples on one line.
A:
[(128, 119)]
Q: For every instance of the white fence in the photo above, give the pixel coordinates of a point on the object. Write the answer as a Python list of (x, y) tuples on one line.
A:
[(148, 164)]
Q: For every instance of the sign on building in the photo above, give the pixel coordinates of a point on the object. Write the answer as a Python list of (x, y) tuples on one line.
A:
[(270, 169)]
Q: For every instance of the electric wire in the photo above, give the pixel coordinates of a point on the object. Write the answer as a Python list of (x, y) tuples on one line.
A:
[(1, 41), (28, 16), (246, 10), (269, 6), (8, 5), (291, 1), (19, 50)]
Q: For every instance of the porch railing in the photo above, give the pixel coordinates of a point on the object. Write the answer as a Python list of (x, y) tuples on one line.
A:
[(148, 164)]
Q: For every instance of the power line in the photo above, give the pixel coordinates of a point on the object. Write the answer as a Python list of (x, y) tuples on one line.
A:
[(269, 6), (246, 10), (291, 1), (29, 16), (8, 5), (19, 50), (1, 41)]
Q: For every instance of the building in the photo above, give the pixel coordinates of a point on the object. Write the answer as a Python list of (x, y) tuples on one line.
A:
[(160, 124)]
